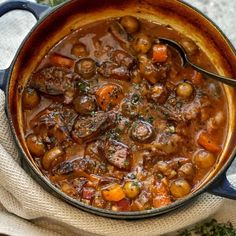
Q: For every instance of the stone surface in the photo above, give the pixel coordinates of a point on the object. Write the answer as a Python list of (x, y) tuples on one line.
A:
[(222, 12)]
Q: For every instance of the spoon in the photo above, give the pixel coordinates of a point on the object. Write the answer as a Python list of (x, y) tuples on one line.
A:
[(185, 61)]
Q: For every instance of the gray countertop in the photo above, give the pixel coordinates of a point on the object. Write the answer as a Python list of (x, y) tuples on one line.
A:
[(222, 12)]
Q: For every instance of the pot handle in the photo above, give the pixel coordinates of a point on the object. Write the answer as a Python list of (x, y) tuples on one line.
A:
[(3, 80), (34, 8), (223, 188)]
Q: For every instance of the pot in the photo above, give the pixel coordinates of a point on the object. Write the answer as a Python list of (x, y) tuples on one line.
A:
[(54, 24)]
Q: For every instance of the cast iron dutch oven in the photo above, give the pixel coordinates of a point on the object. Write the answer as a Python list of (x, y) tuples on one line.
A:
[(54, 24)]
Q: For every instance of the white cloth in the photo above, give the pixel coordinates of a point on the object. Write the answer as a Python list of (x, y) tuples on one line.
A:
[(27, 209)]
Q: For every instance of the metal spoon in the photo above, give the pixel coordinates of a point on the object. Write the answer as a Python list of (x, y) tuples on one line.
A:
[(185, 61)]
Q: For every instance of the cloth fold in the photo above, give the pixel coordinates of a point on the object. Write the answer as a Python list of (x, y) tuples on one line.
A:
[(27, 209)]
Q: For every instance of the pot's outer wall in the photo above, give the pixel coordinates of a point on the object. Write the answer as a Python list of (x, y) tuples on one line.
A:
[(74, 14)]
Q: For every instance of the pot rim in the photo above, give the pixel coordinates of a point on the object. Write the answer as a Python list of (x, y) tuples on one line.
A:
[(103, 212)]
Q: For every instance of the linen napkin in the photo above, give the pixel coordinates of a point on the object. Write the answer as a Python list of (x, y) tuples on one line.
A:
[(27, 209)]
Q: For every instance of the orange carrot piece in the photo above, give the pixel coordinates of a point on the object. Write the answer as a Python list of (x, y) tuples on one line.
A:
[(159, 53), (206, 141), (63, 61), (197, 78), (109, 96), (113, 193), (161, 200)]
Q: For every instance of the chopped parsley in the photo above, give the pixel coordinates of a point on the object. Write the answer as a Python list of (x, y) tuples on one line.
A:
[(140, 117), (137, 86), (127, 124), (92, 113), (160, 176), (118, 130), (134, 148), (119, 117), (171, 129), (83, 86), (179, 104), (150, 120), (135, 99), (166, 114), (126, 163), (210, 228), (131, 176), (112, 134)]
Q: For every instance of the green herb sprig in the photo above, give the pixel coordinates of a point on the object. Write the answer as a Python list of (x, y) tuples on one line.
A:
[(210, 228)]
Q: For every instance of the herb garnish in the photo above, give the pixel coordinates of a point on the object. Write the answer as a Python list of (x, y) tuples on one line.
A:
[(210, 228), (150, 120), (83, 86), (171, 129), (135, 99)]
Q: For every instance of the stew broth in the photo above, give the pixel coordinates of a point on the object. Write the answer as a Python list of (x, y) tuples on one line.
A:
[(114, 120)]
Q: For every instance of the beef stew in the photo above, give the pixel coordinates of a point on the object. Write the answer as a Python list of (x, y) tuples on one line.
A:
[(114, 120)]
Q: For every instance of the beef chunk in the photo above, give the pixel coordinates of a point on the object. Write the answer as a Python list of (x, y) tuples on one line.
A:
[(81, 164), (54, 123), (56, 81), (87, 129), (114, 71), (123, 59), (117, 154)]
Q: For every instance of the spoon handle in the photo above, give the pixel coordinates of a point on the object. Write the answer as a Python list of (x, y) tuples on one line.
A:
[(228, 81)]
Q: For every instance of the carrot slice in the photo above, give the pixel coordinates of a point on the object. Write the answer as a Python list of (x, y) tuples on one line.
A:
[(206, 141), (197, 78), (159, 53), (113, 193), (160, 201), (109, 95), (63, 61)]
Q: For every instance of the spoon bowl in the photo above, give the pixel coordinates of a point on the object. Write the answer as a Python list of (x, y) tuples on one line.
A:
[(186, 61)]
